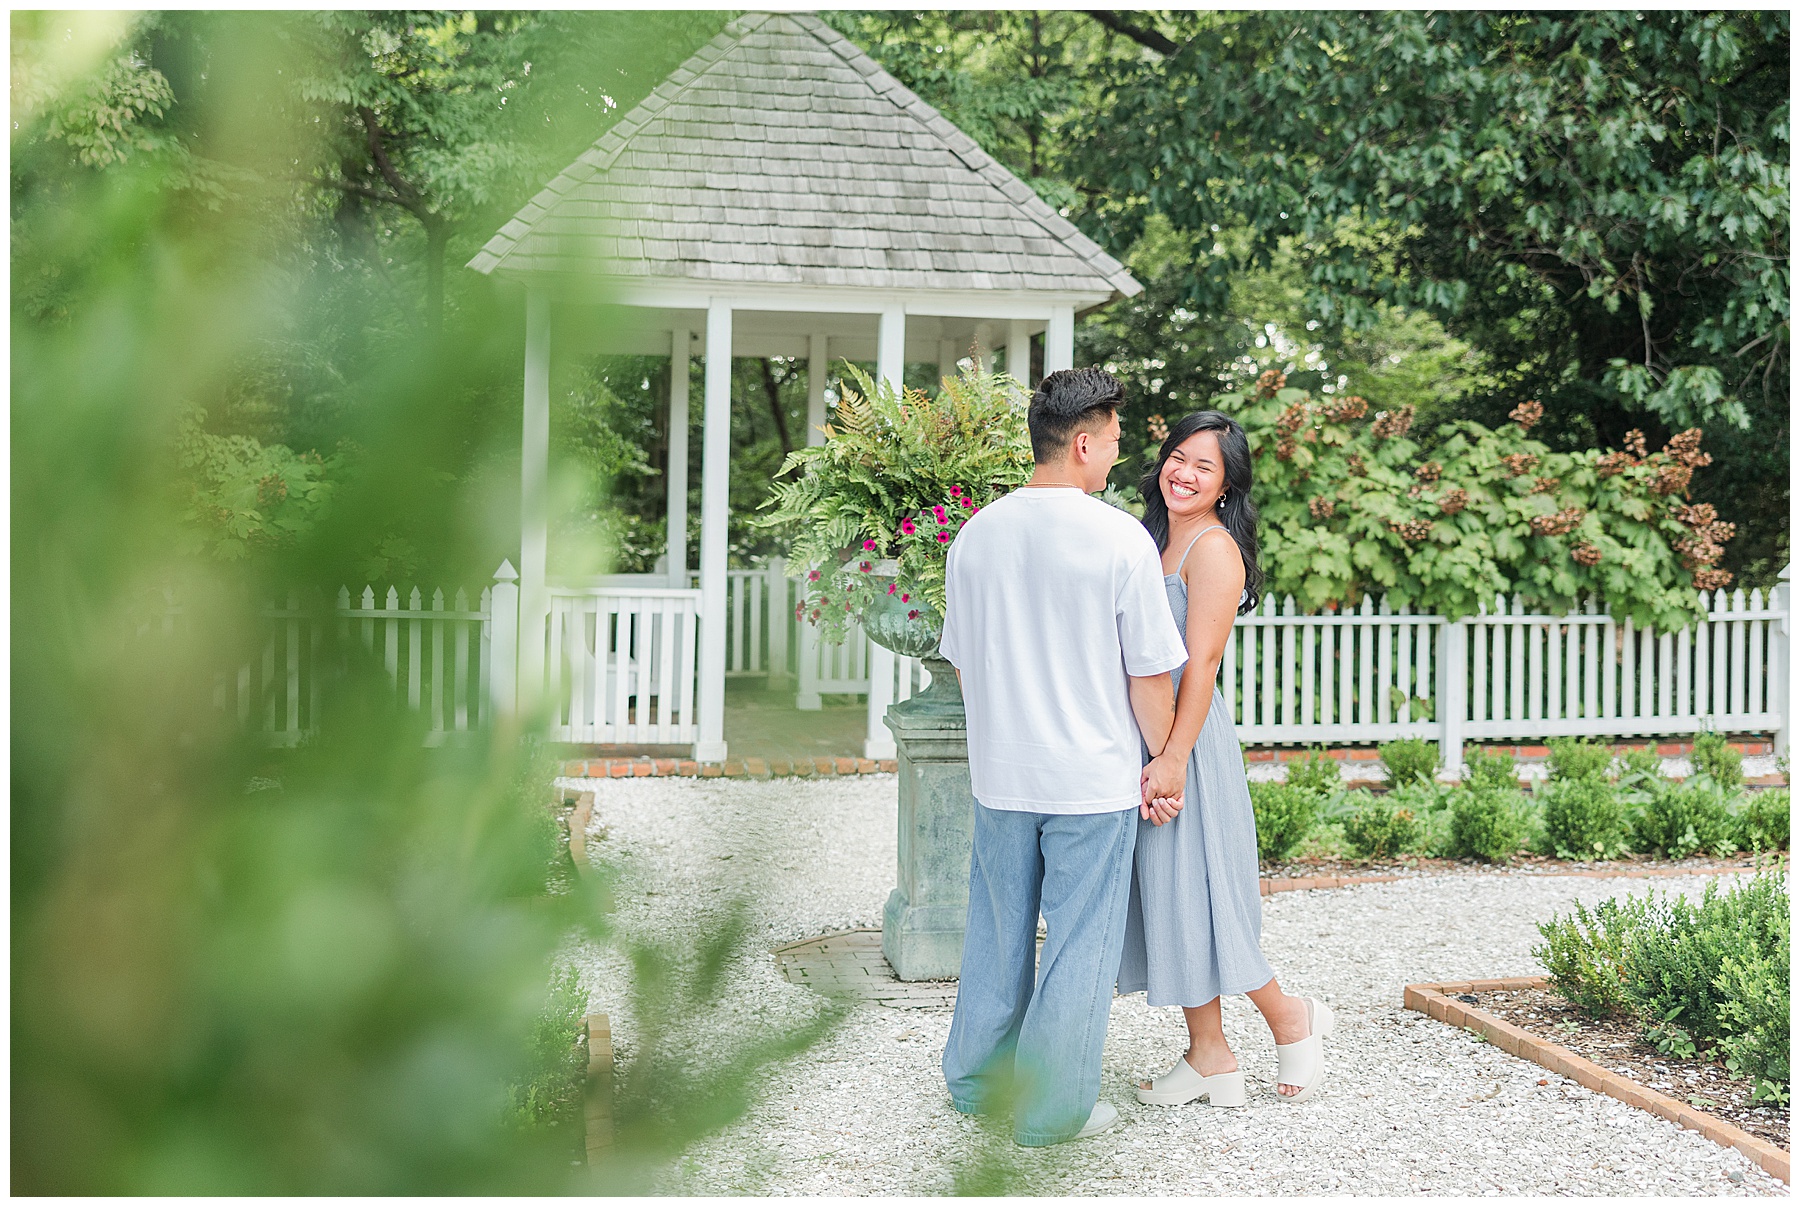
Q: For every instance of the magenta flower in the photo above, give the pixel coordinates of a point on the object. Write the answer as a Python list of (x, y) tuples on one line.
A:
[(893, 587), (908, 527), (865, 567), (943, 538), (904, 598), (813, 576), (913, 615), (868, 546), (938, 514), (968, 503)]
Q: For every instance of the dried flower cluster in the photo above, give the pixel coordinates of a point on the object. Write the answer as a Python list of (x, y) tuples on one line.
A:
[(1284, 448), (1685, 448), (1343, 410), (1519, 464), (1269, 382), (1356, 465), (1545, 486), (1712, 580), (1635, 443), (1159, 428), (1672, 478), (1431, 471), (1292, 419), (1321, 508), (1586, 554), (1614, 463), (1559, 524), (1411, 530), (1389, 424), (1453, 500), (1526, 414)]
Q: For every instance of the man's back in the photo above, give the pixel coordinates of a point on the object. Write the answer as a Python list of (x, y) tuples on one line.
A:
[(1054, 598)]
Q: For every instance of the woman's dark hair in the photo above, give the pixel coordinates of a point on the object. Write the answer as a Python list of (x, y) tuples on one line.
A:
[(1236, 511)]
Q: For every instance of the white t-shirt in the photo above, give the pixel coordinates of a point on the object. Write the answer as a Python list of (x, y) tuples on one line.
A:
[(1054, 598)]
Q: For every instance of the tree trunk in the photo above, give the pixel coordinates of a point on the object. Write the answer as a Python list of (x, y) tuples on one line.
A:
[(773, 390)]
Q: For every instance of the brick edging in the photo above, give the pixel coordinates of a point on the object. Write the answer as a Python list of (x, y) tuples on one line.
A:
[(748, 768), (1434, 1000), (1294, 884)]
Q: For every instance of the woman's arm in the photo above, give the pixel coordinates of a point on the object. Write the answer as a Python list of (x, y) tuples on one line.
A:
[(1214, 576)]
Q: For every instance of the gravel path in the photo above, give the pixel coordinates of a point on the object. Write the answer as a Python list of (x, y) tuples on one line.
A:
[(1413, 1106)]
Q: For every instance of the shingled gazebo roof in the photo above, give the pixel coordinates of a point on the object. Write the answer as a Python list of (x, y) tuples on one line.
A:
[(781, 154)]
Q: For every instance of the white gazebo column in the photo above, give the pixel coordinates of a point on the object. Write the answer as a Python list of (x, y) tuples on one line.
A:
[(1018, 353), (534, 502), (818, 364), (890, 366), (1059, 339), (715, 483), (678, 458)]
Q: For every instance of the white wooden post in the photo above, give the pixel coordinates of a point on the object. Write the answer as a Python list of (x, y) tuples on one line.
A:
[(503, 622), (1059, 339), (1452, 699), (1778, 660), (715, 484), (780, 617), (1018, 353), (890, 366), (807, 697), (534, 501), (678, 458)]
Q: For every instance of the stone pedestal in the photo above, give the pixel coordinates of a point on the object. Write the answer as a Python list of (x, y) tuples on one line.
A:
[(922, 925)]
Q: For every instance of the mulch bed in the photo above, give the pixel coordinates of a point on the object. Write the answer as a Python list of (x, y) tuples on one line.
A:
[(1619, 1046), (1540, 864)]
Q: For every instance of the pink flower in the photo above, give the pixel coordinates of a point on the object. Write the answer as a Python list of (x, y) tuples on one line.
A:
[(813, 576), (904, 598), (865, 567), (943, 538), (893, 587), (968, 503), (913, 615), (868, 546), (908, 527), (815, 614), (955, 492), (938, 514)]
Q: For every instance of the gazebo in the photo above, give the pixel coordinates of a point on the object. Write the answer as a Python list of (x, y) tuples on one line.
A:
[(779, 194)]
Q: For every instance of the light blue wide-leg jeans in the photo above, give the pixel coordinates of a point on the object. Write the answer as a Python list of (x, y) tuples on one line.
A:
[(1040, 1029)]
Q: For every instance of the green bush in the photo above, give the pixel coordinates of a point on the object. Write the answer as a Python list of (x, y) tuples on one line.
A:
[(1761, 820), (1584, 955), (1497, 771), (1317, 772), (1488, 823), (1714, 758), (1583, 818), (1640, 776), (1753, 1013), (1284, 815), (550, 1090), (1410, 759), (1377, 829), (1682, 819), (1577, 758)]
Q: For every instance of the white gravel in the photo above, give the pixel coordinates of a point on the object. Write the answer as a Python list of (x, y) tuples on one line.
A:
[(1412, 1105)]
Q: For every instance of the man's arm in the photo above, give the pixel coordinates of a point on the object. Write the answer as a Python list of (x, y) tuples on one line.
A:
[(1153, 704)]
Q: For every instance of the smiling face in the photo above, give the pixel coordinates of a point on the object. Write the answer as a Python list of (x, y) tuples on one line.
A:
[(1193, 477)]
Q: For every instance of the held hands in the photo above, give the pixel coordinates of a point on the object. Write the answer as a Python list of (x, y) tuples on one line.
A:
[(1163, 783)]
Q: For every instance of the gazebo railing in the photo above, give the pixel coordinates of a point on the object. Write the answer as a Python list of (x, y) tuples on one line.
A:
[(621, 665)]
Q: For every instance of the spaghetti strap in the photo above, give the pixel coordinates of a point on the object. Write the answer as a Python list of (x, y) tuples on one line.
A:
[(1190, 547)]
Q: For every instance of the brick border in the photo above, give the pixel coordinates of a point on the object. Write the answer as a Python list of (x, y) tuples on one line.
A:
[(597, 1093), (1435, 1000)]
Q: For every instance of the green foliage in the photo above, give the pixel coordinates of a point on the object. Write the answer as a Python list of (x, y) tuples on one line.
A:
[(242, 496), (1410, 760), (549, 1093), (1640, 777), (1488, 822), (1578, 758), (1490, 772), (1285, 814), (1317, 772), (1684, 819), (896, 477), (1714, 758), (1761, 820), (1583, 818), (1378, 830), (1584, 954), (1753, 1010)]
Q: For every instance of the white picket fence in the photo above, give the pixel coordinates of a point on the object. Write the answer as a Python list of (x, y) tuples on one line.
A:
[(622, 666)]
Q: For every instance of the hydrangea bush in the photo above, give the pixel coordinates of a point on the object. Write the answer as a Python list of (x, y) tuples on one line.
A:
[(1355, 501)]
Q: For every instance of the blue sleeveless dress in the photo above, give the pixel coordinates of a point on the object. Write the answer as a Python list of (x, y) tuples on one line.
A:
[(1193, 930)]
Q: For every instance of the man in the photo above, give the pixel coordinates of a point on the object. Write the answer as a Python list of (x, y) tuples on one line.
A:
[(1059, 627)]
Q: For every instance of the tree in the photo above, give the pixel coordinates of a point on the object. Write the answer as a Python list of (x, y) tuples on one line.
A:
[(1597, 201)]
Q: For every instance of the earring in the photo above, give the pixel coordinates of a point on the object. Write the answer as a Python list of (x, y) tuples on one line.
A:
[(1223, 495)]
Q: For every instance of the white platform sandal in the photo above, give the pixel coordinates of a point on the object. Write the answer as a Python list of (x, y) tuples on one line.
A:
[(1181, 1085), (1303, 1063)]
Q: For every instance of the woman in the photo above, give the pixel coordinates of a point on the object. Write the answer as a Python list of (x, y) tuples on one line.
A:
[(1195, 917)]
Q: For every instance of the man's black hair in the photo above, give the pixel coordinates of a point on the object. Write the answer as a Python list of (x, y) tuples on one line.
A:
[(1066, 402)]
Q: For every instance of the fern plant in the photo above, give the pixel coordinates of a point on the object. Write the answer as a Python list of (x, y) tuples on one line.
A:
[(872, 511)]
